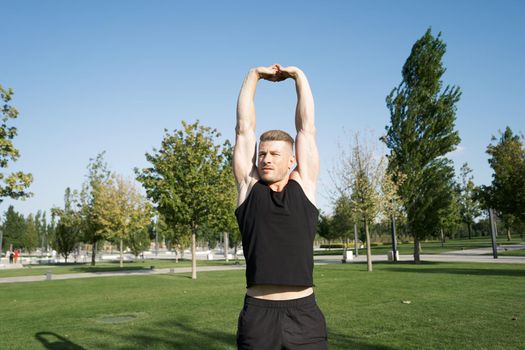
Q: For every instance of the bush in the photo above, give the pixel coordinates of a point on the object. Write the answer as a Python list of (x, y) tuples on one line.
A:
[(333, 245)]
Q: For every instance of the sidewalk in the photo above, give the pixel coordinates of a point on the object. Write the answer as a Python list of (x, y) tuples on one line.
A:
[(54, 277)]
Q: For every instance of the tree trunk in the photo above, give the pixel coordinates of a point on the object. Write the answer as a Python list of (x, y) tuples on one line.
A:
[(368, 248), (417, 249), (93, 252), (442, 237), (508, 234), (193, 257), (121, 256), (469, 231), (226, 246)]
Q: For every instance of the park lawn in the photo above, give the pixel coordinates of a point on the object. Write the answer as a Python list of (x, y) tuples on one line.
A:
[(513, 252), (34, 270), (452, 306), (430, 247)]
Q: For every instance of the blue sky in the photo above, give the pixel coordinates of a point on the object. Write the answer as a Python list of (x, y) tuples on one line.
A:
[(91, 76)]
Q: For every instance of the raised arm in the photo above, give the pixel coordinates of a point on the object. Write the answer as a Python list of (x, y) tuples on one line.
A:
[(244, 152), (306, 153)]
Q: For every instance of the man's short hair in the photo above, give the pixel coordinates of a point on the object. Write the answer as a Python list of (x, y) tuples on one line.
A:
[(277, 135)]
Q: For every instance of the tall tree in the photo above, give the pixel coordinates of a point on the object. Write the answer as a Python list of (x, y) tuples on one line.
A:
[(325, 228), (12, 185), (30, 237), (420, 134), (342, 222), (360, 179), (95, 200), (469, 208), (506, 194), (184, 180), (226, 220), (13, 228), (131, 217), (68, 230)]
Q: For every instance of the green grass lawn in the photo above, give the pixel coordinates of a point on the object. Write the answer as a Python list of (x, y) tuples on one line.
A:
[(33, 270), (431, 247), (513, 252), (452, 306)]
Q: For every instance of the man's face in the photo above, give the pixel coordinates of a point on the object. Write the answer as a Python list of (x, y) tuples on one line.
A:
[(274, 160)]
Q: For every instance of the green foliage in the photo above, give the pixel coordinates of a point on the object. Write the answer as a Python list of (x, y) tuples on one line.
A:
[(343, 220), (138, 240), (469, 206), (506, 194), (12, 185), (67, 233), (420, 134), (325, 227), (30, 237), (94, 203), (186, 180), (13, 228)]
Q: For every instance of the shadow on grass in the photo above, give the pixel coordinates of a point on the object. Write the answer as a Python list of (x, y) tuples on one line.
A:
[(343, 341), (461, 271), (53, 341), (174, 334)]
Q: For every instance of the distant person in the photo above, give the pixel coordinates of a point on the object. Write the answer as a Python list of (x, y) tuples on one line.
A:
[(9, 256), (277, 217), (17, 255)]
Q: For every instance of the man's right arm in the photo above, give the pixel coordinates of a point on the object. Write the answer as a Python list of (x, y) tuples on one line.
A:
[(244, 166), (244, 152)]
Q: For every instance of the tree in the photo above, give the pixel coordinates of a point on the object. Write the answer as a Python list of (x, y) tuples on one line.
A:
[(469, 208), (184, 180), (95, 200), (342, 222), (420, 134), (450, 215), (132, 217), (29, 239), (506, 194), (360, 180), (12, 185), (68, 230), (226, 220), (325, 228), (13, 228)]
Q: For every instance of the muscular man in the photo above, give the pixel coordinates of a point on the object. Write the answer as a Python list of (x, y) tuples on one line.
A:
[(277, 217)]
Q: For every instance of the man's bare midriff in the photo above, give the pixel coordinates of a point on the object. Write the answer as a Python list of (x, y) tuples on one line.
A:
[(277, 292)]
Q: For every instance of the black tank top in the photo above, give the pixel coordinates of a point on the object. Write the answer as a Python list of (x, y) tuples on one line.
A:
[(278, 230)]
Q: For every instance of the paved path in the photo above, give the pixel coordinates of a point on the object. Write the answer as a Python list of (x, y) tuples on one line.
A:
[(319, 260), (43, 277), (483, 251)]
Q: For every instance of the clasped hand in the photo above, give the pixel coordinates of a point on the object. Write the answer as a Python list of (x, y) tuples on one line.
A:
[(276, 72)]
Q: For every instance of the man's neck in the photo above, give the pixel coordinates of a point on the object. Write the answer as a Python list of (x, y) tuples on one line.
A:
[(279, 185)]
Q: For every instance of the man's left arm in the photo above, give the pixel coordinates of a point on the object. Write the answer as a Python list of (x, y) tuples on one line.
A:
[(306, 152)]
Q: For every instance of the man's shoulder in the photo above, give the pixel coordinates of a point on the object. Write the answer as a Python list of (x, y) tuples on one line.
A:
[(309, 187)]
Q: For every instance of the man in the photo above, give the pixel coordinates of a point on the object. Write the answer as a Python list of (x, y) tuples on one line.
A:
[(277, 217)]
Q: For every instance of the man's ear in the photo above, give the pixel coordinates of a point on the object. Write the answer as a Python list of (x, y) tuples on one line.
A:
[(292, 162)]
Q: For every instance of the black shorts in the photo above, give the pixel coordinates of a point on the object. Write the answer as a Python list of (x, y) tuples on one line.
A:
[(276, 325)]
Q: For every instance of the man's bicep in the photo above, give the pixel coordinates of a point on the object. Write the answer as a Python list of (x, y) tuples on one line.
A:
[(307, 156), (244, 157)]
